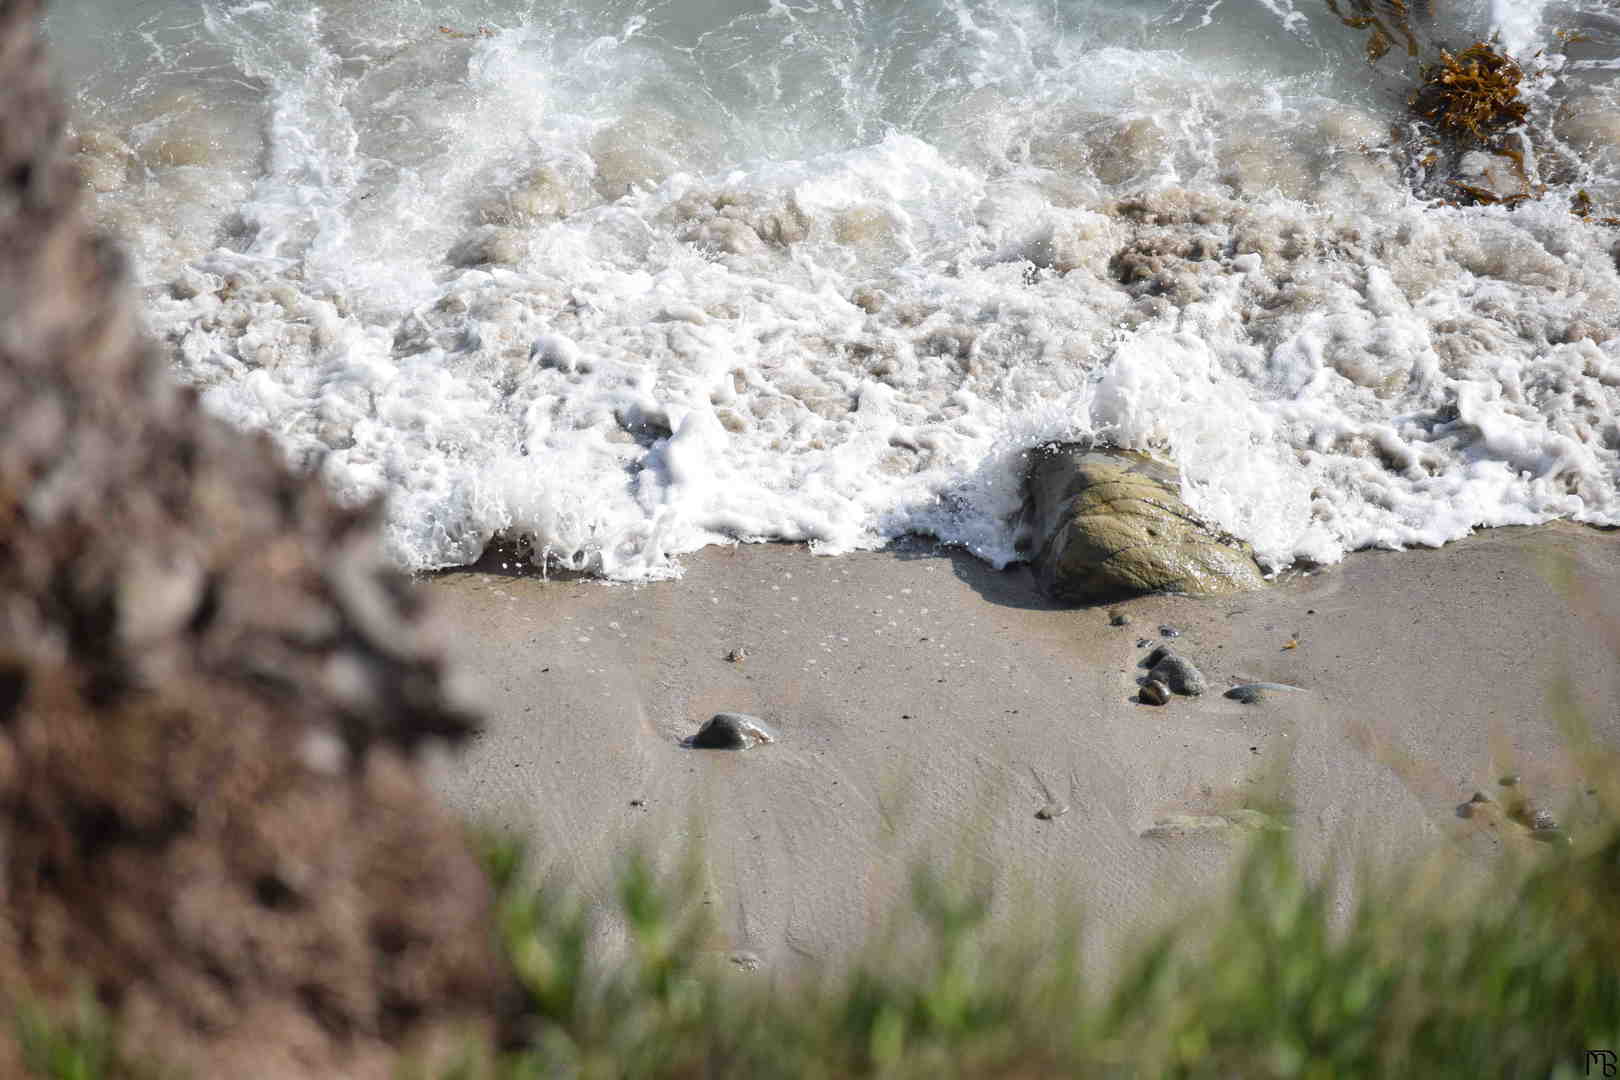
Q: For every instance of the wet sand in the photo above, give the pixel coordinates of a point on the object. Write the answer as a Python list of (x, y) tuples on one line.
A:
[(917, 695)]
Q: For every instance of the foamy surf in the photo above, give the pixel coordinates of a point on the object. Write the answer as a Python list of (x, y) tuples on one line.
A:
[(625, 281)]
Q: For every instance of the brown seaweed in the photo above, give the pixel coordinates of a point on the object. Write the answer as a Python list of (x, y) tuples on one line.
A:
[(1385, 28), (1473, 95)]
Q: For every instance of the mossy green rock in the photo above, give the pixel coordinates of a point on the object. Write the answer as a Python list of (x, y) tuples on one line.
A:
[(1109, 523)]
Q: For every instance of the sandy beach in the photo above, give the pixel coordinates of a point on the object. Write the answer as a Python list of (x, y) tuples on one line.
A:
[(922, 701)]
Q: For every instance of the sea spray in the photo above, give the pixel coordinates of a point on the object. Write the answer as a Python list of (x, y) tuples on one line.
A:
[(625, 280)]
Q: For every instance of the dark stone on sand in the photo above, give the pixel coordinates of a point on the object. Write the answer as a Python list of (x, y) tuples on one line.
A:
[(1169, 632), (1179, 674), (1248, 695), (730, 731), (1109, 523), (1154, 692), (1480, 797), (1118, 618), (1156, 655), (1510, 780)]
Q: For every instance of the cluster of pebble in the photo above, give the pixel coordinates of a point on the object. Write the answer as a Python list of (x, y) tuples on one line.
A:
[(1168, 672)]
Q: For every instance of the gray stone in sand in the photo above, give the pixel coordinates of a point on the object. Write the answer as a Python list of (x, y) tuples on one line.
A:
[(1108, 523), (1179, 674), (1256, 692), (731, 731)]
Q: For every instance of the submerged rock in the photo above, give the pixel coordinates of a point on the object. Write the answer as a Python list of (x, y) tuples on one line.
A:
[(1491, 178), (541, 195), (1109, 523), (731, 731), (489, 245), (1229, 821), (1179, 674)]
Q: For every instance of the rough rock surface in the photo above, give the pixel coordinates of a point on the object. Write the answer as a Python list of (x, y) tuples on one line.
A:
[(211, 691), (1109, 523)]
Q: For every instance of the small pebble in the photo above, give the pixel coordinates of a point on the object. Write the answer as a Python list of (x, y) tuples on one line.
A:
[(1542, 819), (1510, 780), (1169, 631), (1118, 618), (638, 802), (1249, 695), (1480, 797), (1154, 692), (1142, 643)]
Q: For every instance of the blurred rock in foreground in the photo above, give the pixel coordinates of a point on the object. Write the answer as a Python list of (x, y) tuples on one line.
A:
[(211, 689)]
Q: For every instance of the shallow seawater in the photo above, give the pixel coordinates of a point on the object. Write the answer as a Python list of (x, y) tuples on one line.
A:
[(625, 278)]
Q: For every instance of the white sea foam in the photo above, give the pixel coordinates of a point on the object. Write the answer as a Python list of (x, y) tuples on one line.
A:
[(633, 281)]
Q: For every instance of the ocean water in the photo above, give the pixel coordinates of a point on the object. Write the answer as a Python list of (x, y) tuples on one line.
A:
[(619, 279)]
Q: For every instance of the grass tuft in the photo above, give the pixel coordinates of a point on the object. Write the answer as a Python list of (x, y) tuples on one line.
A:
[(1513, 976)]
